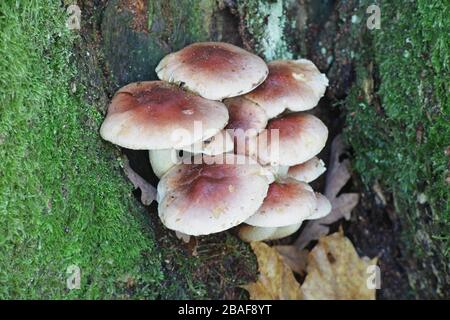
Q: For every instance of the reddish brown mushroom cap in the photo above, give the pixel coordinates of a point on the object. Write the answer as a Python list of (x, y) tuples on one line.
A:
[(198, 199), (288, 202), (296, 85), (215, 70), (158, 115), (292, 139), (247, 119)]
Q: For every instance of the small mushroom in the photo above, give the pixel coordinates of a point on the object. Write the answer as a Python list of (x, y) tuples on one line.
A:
[(307, 171), (247, 118), (214, 70), (291, 139), (157, 115), (296, 85), (249, 233), (288, 202), (218, 194)]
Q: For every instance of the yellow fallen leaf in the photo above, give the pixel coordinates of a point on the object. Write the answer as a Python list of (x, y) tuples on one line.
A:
[(336, 272), (276, 280)]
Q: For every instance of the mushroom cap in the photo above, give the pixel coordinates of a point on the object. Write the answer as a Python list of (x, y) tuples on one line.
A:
[(158, 115), (250, 233), (215, 70), (288, 202), (323, 207), (296, 85), (307, 171), (220, 143), (199, 199), (301, 136), (246, 117)]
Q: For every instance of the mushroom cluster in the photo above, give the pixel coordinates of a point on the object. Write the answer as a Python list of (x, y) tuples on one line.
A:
[(248, 149)]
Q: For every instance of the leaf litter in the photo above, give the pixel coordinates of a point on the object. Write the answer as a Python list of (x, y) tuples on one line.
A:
[(334, 272)]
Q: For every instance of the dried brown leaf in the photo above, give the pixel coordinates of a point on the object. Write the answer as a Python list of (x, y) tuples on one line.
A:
[(276, 280), (336, 272), (338, 172), (342, 207), (294, 257), (148, 192)]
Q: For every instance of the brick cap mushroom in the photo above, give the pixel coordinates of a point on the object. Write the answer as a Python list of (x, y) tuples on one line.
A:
[(154, 114), (296, 85), (245, 117), (199, 199), (288, 202), (214, 70), (249, 233), (301, 136)]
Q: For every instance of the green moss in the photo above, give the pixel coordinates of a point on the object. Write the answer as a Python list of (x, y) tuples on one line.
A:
[(63, 200), (400, 138), (266, 22)]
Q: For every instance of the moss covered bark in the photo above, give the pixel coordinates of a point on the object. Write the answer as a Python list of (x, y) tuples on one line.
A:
[(399, 127), (63, 200), (137, 34)]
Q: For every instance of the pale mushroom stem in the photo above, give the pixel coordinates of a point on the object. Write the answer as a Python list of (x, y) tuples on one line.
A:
[(182, 236)]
